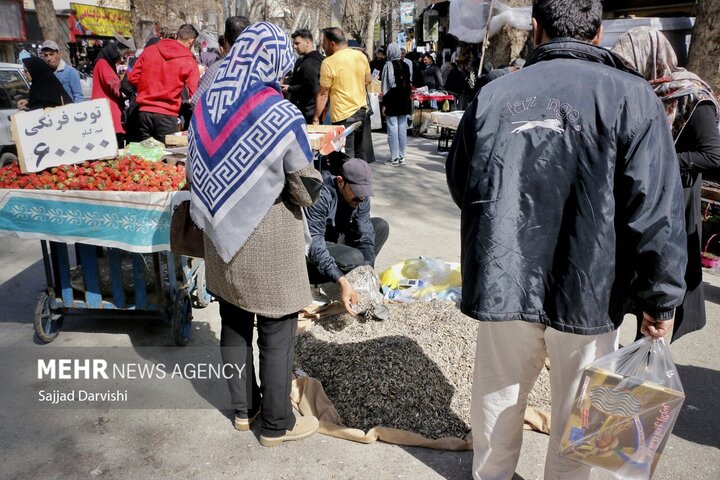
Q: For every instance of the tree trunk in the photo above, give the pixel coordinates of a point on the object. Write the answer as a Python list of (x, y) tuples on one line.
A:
[(370, 27), (136, 27), (704, 55), (298, 19), (389, 26), (49, 26)]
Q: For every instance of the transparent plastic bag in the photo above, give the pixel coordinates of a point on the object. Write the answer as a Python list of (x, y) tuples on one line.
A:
[(422, 279), (624, 410), (367, 286), (149, 149)]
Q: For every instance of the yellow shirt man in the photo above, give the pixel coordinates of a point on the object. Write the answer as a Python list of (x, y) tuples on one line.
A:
[(344, 73)]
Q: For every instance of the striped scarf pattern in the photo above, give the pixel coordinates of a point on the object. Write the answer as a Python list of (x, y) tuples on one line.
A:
[(244, 138)]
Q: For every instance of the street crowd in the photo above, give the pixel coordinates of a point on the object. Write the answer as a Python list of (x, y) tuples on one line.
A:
[(579, 204)]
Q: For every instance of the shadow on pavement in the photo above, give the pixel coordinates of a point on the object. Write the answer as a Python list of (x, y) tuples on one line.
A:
[(19, 297), (429, 201), (699, 421), (433, 167), (450, 465), (19, 294), (712, 293)]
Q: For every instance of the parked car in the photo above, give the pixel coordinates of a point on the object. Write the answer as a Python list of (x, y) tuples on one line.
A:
[(13, 87), (86, 82)]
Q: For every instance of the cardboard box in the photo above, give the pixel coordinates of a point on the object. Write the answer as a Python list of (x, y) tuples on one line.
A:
[(320, 135), (620, 424), (179, 139), (374, 87)]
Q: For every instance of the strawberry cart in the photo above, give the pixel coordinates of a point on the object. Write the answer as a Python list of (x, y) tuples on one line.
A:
[(103, 221), (106, 252)]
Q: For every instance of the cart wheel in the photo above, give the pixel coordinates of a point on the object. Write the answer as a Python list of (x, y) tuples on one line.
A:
[(182, 317), (47, 323), (201, 297)]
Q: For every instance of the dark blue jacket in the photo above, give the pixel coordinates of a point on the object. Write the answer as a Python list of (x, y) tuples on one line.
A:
[(332, 219), (572, 207)]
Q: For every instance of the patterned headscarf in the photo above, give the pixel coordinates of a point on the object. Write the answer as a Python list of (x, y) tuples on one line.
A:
[(649, 52), (388, 73), (244, 138)]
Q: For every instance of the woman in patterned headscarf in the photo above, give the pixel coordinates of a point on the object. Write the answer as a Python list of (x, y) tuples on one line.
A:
[(251, 173), (693, 114)]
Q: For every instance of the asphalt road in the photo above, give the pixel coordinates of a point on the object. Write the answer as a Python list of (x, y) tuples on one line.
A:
[(200, 443)]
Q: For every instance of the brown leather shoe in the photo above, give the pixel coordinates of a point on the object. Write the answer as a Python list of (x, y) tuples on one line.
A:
[(304, 427)]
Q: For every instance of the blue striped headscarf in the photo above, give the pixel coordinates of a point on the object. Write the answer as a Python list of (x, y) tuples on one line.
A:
[(244, 138)]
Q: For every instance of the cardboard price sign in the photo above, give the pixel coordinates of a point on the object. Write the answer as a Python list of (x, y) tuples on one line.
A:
[(64, 135)]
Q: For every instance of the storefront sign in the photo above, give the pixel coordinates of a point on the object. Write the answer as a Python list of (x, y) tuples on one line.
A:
[(407, 13), (100, 21), (64, 135)]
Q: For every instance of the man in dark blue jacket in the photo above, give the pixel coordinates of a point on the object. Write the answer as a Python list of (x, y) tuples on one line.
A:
[(572, 215), (343, 234)]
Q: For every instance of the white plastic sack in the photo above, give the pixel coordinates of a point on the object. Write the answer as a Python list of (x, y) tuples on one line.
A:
[(375, 119), (86, 87), (468, 19)]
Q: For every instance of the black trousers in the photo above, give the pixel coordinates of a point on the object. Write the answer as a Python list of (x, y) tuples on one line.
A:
[(156, 125), (359, 143), (276, 341), (349, 258)]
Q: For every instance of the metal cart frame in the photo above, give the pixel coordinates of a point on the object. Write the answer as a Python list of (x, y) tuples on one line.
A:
[(178, 283)]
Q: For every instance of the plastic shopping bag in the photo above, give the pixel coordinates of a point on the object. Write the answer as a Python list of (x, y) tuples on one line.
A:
[(422, 279), (624, 410), (366, 284)]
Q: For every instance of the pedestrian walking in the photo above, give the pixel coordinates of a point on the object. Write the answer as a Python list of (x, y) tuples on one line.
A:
[(396, 89)]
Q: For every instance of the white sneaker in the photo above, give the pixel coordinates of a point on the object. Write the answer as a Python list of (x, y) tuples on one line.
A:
[(392, 161), (401, 161)]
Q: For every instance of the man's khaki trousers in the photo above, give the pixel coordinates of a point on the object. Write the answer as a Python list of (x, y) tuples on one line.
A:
[(508, 360)]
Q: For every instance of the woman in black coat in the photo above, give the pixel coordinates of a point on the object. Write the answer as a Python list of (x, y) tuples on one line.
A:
[(693, 112), (45, 89), (396, 103)]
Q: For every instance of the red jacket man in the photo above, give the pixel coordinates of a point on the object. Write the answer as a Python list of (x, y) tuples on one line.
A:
[(159, 75)]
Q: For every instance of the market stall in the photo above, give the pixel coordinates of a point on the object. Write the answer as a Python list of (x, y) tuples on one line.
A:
[(71, 188), (710, 192), (448, 123), (424, 103)]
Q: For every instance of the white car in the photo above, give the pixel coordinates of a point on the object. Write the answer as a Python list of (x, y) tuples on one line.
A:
[(13, 87), (86, 85)]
